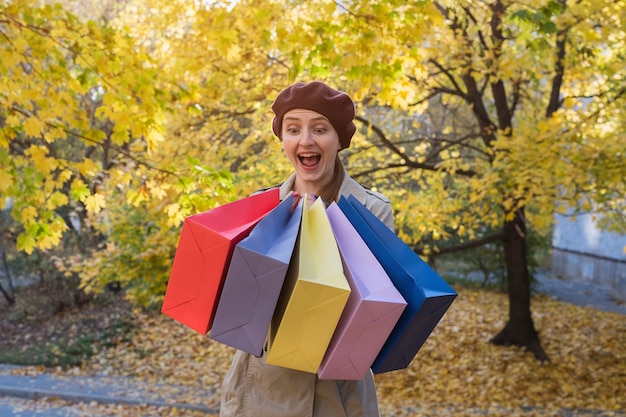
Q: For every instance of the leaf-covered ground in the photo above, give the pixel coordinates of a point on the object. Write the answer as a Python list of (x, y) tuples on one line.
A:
[(456, 373)]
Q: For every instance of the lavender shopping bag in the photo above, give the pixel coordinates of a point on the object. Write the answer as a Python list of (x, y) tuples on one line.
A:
[(428, 296), (255, 278), (372, 310)]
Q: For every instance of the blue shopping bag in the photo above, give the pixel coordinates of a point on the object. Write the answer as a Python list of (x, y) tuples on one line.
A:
[(427, 295)]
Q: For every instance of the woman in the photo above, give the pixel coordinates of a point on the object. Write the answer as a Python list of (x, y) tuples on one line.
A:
[(314, 122)]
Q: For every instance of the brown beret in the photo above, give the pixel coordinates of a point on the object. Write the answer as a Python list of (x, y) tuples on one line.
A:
[(337, 106)]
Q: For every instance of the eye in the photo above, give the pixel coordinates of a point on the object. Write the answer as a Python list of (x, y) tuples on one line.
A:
[(292, 130), (320, 130)]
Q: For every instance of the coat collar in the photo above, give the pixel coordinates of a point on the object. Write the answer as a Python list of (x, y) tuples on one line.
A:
[(348, 187)]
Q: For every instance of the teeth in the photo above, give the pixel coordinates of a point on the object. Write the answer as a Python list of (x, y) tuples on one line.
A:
[(308, 155)]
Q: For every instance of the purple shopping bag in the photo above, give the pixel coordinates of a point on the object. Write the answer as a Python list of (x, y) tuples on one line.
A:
[(428, 296), (255, 278), (204, 251), (372, 310)]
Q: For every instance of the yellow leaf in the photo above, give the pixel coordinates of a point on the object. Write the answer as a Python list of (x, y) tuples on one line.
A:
[(57, 199), (87, 167), (79, 190), (94, 203), (136, 197), (29, 214), (25, 243), (20, 45), (55, 134), (13, 121), (33, 127), (6, 180), (40, 159), (119, 137), (11, 59), (63, 176), (154, 137)]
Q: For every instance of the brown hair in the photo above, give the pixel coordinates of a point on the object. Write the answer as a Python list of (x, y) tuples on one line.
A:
[(330, 191)]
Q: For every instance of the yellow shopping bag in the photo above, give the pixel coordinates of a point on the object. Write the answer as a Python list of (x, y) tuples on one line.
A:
[(313, 297)]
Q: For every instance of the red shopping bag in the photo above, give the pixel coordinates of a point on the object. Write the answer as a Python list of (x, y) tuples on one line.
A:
[(203, 255)]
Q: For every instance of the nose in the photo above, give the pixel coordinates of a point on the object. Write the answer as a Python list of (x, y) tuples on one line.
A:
[(307, 138)]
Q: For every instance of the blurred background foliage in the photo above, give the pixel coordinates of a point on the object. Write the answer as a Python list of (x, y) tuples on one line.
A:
[(479, 120)]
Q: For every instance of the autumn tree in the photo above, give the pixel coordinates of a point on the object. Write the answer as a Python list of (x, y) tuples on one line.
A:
[(543, 83), (217, 75), (79, 107), (125, 75), (478, 119)]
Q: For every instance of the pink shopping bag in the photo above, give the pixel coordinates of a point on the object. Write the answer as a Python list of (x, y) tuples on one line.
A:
[(427, 295), (372, 310)]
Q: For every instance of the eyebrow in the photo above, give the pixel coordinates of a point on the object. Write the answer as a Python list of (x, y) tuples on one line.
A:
[(315, 119)]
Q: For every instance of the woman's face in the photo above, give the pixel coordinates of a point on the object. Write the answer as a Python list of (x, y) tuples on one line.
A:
[(311, 144)]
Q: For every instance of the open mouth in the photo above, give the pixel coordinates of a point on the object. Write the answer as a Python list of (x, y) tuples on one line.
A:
[(309, 159)]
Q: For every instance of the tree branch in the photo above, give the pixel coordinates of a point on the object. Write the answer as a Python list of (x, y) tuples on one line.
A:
[(559, 70), (457, 87), (408, 161), (471, 245)]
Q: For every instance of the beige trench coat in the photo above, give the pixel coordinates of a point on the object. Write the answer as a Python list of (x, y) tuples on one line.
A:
[(254, 389)]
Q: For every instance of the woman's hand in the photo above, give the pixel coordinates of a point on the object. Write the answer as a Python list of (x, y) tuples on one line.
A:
[(310, 198)]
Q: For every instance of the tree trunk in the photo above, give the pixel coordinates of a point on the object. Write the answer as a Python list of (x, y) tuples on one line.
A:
[(9, 294), (520, 329)]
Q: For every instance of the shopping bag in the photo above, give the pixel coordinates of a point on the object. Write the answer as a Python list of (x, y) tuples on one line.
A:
[(202, 256), (372, 310), (428, 296), (254, 279), (314, 295)]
